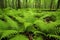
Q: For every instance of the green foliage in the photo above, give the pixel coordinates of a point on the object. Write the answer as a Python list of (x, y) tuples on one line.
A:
[(20, 37), (19, 24), (8, 33)]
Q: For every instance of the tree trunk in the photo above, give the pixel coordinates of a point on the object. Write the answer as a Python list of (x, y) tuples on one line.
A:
[(51, 5), (19, 5), (2, 3), (58, 5)]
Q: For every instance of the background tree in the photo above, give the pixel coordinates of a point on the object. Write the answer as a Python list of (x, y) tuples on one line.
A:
[(58, 4), (19, 5), (42, 4), (37, 3), (1, 3)]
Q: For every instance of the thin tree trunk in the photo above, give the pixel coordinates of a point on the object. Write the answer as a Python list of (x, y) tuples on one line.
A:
[(5, 3), (51, 5), (26, 4), (58, 5), (19, 5), (12, 3)]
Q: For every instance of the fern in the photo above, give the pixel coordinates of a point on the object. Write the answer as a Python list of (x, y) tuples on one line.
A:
[(29, 24)]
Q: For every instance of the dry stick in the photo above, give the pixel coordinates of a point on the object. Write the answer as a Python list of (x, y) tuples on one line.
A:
[(30, 36)]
